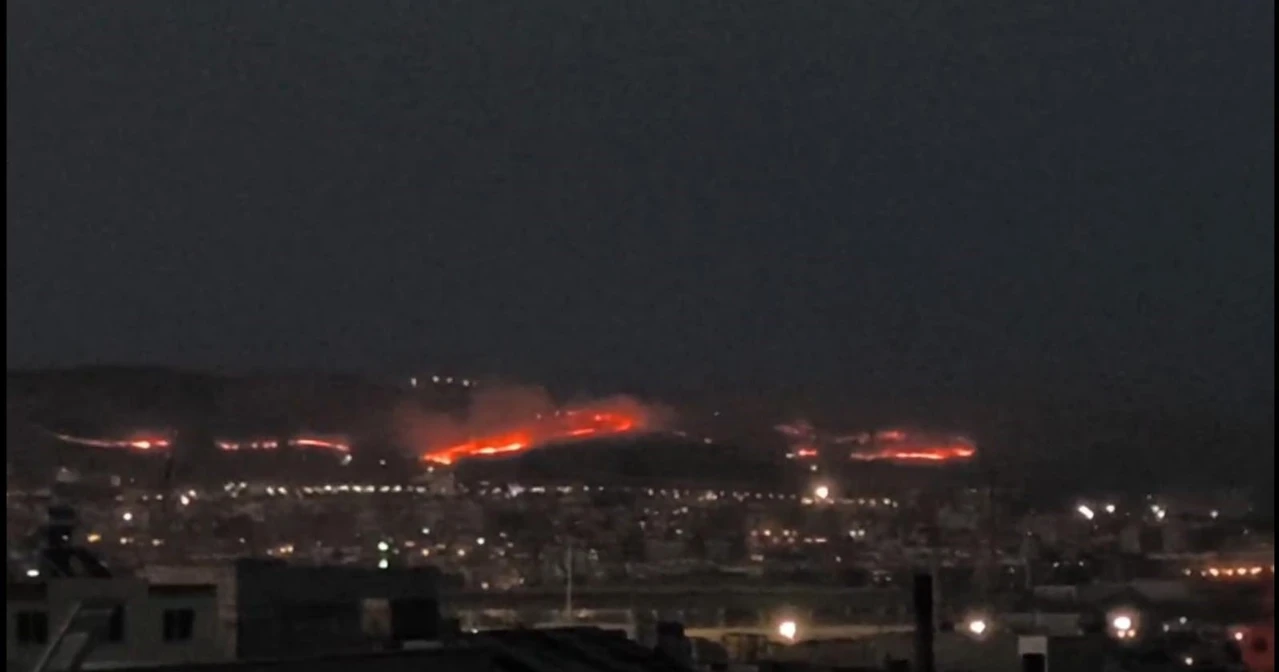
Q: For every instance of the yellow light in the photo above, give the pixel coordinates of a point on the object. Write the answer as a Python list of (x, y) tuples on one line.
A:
[(1121, 622)]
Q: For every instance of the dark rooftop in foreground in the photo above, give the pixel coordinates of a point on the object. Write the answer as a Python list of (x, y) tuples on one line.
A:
[(558, 650)]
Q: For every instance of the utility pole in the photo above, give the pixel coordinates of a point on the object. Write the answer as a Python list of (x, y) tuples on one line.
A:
[(568, 583)]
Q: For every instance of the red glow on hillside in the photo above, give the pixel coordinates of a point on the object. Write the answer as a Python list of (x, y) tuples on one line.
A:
[(557, 427), (159, 442), (889, 445), (920, 452), (140, 443), (896, 445)]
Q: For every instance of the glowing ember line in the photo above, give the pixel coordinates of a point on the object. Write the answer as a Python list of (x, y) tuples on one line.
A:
[(161, 443), (561, 426), (889, 445)]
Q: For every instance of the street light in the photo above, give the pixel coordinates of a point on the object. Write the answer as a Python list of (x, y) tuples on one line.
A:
[(788, 630), (1123, 624), (977, 626)]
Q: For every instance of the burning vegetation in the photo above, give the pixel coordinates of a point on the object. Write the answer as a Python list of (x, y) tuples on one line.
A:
[(504, 420), (889, 445), (149, 442)]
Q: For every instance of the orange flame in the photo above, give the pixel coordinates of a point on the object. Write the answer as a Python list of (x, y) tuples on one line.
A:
[(145, 443), (899, 446), (558, 427), (890, 445), (920, 453)]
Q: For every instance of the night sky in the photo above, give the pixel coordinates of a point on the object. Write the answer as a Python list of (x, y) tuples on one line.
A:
[(885, 195)]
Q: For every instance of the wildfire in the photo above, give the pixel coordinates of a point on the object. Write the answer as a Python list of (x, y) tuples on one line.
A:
[(557, 427), (890, 445), (140, 443), (336, 444), (145, 443), (896, 445), (920, 453)]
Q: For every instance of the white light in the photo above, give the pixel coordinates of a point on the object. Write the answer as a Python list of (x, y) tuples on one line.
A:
[(1214, 514), (1238, 636), (1086, 512), (480, 541), (383, 546), (1110, 508), (1122, 623), (426, 530), (383, 563), (821, 492), (1190, 661), (788, 630), (33, 573), (185, 500), (977, 626), (127, 516)]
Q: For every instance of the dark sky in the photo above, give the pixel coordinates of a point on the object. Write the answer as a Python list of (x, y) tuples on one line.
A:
[(908, 195)]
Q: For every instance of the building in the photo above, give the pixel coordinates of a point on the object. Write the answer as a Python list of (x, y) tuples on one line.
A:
[(559, 650), (269, 609), (171, 624)]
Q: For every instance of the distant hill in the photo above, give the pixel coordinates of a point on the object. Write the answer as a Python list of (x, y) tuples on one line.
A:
[(117, 401), (1061, 445), (656, 460)]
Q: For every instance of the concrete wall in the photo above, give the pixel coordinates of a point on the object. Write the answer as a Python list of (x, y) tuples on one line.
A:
[(143, 639), (323, 609), (273, 609)]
